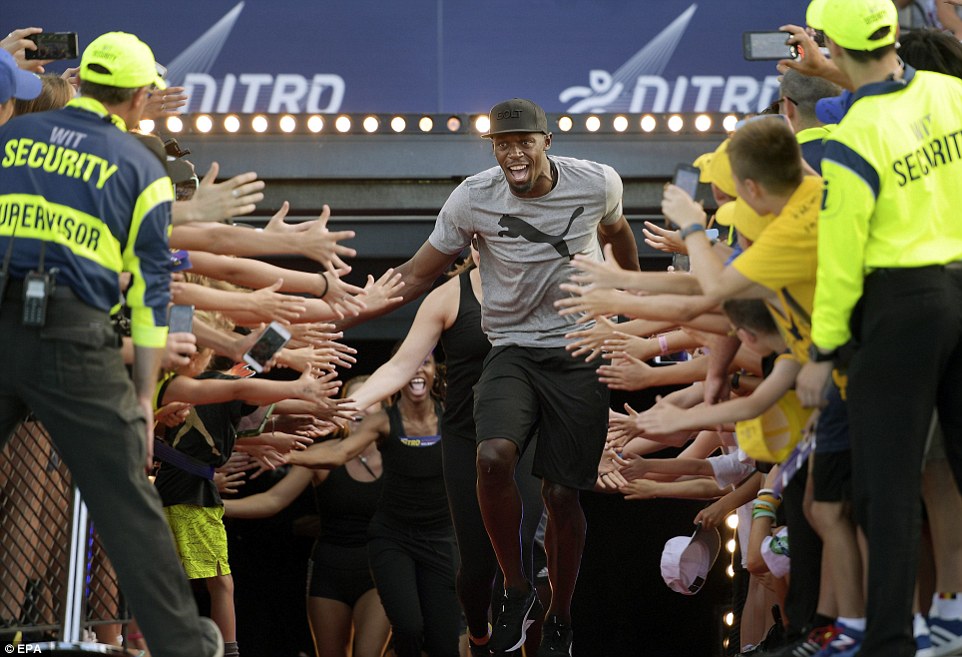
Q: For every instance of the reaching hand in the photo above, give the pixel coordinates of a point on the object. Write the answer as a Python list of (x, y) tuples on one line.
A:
[(608, 475), (165, 102), (343, 298), (320, 244), (600, 274), (590, 341), (229, 483), (172, 414), (640, 348), (640, 489), (382, 292), (711, 516), (590, 301), (625, 372), (267, 304), (662, 418), (217, 201), (663, 239)]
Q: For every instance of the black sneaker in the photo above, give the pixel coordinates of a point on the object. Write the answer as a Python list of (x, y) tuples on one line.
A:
[(519, 609), (808, 644), (556, 638), (478, 651)]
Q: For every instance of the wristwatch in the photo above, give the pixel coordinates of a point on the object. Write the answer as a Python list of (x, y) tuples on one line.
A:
[(689, 229), (816, 356)]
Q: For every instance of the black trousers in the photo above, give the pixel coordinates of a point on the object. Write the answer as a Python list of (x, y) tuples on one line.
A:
[(71, 375), (801, 599), (909, 362), (414, 570)]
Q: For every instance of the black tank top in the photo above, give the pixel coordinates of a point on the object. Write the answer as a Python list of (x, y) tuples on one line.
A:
[(346, 506), (465, 348), (413, 492)]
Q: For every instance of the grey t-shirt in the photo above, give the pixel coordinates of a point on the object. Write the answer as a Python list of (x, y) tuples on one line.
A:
[(526, 244)]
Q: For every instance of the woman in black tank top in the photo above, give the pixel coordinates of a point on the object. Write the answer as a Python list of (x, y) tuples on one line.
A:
[(411, 546), (341, 598), (451, 314)]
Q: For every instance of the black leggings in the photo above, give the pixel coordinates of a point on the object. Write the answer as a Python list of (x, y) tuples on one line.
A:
[(479, 565), (414, 573)]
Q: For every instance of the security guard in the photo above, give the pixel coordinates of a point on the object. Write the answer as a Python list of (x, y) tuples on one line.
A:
[(890, 281), (80, 202)]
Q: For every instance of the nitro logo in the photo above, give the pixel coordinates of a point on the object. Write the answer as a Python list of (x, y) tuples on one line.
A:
[(639, 86), (285, 92)]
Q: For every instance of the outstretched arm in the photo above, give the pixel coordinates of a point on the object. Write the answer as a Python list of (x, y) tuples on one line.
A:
[(271, 501), (335, 453), (433, 317)]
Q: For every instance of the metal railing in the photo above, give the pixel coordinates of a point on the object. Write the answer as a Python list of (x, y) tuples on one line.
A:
[(55, 578)]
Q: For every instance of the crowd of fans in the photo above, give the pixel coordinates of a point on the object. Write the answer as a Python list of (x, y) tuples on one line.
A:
[(837, 257)]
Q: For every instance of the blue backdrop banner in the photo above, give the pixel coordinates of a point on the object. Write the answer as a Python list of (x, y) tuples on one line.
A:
[(442, 56)]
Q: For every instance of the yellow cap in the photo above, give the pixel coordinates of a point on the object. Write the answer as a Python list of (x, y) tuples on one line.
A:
[(772, 436), (745, 220), (850, 23), (716, 168), (119, 59)]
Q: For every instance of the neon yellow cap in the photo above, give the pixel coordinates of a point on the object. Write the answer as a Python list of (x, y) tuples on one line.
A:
[(745, 220), (716, 168), (119, 59), (851, 23)]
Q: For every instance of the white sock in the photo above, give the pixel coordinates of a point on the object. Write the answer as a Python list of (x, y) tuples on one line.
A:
[(947, 606), (857, 624), (919, 626)]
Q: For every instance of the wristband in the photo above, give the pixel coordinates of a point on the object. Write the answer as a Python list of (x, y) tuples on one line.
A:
[(327, 285), (769, 491), (663, 345), (690, 229), (762, 513)]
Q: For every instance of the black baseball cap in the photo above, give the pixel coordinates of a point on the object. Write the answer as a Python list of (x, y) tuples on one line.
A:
[(516, 115)]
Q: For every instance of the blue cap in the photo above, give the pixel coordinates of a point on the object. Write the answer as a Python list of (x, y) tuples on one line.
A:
[(15, 83), (831, 110)]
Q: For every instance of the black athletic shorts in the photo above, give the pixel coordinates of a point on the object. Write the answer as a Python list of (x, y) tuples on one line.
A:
[(832, 476), (339, 573), (524, 390)]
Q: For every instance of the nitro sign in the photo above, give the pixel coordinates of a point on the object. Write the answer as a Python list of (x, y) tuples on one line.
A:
[(247, 92)]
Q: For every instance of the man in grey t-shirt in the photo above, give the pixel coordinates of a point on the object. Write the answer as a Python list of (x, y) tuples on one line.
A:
[(531, 215)]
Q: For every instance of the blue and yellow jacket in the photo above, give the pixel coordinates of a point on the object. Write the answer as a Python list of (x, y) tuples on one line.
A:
[(73, 179)]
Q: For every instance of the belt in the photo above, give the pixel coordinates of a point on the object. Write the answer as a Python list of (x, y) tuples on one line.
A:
[(14, 291), (955, 265)]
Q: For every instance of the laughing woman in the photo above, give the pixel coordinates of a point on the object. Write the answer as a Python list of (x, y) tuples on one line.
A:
[(411, 544)]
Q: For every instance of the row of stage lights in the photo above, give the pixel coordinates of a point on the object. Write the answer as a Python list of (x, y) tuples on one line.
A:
[(436, 124)]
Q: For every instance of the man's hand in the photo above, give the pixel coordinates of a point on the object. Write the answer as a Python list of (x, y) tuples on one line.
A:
[(609, 478), (215, 201), (382, 292), (811, 383), (680, 209), (17, 44), (811, 62)]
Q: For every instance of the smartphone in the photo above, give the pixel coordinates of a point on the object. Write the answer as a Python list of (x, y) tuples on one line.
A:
[(254, 423), (686, 177), (767, 45), (180, 319), (53, 45), (271, 341)]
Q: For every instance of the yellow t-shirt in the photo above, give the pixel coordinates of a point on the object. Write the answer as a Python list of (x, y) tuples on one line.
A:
[(784, 259)]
